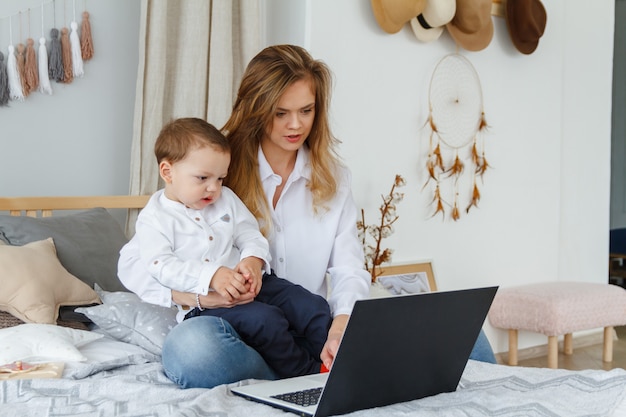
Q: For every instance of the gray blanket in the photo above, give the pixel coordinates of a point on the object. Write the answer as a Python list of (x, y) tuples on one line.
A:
[(141, 389)]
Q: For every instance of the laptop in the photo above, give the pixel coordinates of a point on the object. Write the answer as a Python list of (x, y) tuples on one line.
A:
[(394, 349)]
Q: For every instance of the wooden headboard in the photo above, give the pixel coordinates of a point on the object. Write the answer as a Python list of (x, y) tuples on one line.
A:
[(44, 206)]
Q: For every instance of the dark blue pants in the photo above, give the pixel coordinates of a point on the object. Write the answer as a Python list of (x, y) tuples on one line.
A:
[(286, 324)]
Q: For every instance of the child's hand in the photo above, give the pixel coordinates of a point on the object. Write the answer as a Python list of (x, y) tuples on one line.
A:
[(252, 269), (229, 283)]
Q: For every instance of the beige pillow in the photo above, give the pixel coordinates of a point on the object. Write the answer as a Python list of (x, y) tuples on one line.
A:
[(35, 284)]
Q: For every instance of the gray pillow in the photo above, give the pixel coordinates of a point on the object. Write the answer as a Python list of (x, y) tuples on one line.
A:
[(123, 316), (87, 242)]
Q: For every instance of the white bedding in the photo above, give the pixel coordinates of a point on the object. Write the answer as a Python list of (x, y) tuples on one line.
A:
[(120, 379)]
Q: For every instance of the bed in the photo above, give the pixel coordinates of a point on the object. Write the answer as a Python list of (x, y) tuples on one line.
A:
[(107, 342)]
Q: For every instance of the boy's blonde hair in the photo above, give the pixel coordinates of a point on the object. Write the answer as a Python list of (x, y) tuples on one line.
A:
[(265, 80), (180, 136)]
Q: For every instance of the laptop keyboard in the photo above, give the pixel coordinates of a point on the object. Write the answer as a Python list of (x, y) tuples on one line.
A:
[(302, 398)]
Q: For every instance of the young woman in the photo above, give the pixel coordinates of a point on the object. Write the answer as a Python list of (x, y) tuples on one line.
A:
[(285, 168)]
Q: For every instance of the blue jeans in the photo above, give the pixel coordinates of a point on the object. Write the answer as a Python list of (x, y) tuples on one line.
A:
[(206, 351), (482, 350)]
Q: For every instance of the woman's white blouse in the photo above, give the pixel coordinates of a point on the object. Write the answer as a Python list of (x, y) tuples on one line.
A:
[(305, 246)]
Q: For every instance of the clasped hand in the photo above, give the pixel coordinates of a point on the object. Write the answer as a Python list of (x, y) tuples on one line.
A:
[(242, 283)]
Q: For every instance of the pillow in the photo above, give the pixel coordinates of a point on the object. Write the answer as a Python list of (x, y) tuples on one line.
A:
[(35, 284), (87, 242), (33, 342), (123, 316)]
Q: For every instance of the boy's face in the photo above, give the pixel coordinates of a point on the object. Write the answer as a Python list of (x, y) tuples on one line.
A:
[(196, 181)]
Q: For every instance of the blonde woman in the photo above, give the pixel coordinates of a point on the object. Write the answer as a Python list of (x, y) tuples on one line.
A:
[(286, 170)]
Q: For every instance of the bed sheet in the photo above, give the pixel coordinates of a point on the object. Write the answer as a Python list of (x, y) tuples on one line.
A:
[(122, 380)]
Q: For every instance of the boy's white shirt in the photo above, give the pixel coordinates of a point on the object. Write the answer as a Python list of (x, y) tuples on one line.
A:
[(305, 246), (179, 248)]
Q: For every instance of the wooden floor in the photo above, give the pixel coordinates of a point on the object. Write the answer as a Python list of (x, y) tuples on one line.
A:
[(589, 357)]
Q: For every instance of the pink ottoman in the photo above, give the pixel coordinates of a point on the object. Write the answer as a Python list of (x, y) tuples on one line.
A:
[(559, 308)]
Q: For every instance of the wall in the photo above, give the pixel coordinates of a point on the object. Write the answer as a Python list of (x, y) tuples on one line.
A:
[(618, 135), (76, 141), (544, 211)]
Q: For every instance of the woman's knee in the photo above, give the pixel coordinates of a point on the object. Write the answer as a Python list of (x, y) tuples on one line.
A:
[(206, 351)]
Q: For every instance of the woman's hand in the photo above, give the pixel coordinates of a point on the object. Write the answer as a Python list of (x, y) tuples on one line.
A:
[(329, 351), (211, 300)]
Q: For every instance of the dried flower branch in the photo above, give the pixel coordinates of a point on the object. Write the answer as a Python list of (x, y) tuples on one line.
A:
[(374, 254)]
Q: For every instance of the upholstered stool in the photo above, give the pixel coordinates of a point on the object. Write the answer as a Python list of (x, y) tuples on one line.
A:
[(559, 308)]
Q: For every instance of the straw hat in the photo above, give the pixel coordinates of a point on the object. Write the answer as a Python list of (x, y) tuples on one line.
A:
[(526, 20), (391, 15), (472, 27), (429, 25)]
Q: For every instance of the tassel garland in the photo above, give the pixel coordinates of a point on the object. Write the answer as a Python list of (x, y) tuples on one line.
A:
[(15, 85), (4, 83), (44, 81), (66, 55), (86, 41), (77, 58), (30, 67), (26, 69)]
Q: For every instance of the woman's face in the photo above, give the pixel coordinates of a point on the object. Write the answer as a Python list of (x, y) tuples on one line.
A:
[(295, 113)]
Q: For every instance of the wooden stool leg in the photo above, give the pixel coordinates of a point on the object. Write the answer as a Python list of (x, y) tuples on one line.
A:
[(512, 347), (553, 352), (568, 346), (607, 353)]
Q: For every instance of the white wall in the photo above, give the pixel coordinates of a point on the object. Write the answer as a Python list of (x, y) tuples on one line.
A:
[(77, 141), (544, 211)]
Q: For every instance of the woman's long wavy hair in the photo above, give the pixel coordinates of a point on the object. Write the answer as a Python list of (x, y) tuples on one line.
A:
[(267, 76)]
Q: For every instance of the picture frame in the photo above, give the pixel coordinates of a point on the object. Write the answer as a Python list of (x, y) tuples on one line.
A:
[(409, 278)]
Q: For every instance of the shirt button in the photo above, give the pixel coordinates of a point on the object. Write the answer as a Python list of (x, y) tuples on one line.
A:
[(206, 260), (281, 260), (210, 237), (278, 229), (156, 262), (197, 219)]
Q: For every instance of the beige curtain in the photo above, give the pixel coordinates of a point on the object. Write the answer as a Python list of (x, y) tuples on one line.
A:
[(192, 54)]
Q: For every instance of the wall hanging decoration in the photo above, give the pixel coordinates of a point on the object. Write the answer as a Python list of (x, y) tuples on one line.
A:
[(44, 80), (526, 23), (456, 121), (15, 84), (77, 55), (86, 42), (25, 69), (31, 73), (4, 82), (375, 255)]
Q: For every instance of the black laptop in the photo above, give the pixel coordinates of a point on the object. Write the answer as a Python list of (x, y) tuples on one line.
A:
[(394, 349)]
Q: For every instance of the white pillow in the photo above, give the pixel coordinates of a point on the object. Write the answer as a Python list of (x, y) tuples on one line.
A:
[(34, 342)]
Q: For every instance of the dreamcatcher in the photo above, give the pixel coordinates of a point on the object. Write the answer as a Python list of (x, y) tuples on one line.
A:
[(457, 122)]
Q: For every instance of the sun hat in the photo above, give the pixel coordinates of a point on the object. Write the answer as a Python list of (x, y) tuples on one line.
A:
[(472, 27), (391, 15), (429, 25), (526, 21)]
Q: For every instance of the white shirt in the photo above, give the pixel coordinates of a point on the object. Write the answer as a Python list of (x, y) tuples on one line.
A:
[(179, 248), (306, 246)]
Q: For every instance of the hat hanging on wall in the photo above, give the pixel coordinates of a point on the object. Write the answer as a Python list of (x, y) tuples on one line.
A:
[(526, 21), (472, 27), (391, 15), (428, 25)]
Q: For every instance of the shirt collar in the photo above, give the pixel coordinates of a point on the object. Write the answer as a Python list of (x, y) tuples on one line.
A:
[(302, 168)]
